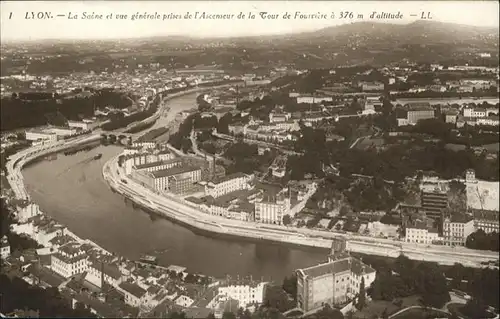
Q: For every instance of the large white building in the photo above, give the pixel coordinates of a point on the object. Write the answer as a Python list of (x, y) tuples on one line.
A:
[(4, 247), (492, 120), (62, 131), (487, 220), (138, 159), (271, 208), (246, 293), (227, 184), (84, 124), (334, 282), (36, 135), (69, 260), (145, 145), (313, 99), (474, 112), (178, 179), (419, 232), (456, 230)]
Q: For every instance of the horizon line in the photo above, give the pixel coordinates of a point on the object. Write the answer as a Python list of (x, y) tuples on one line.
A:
[(226, 37)]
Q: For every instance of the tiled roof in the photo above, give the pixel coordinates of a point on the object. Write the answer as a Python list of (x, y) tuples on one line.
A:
[(159, 163), (338, 266), (489, 215), (228, 178), (107, 269), (133, 289), (174, 171)]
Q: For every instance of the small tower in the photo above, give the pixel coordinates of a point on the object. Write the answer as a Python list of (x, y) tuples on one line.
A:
[(339, 249), (470, 176)]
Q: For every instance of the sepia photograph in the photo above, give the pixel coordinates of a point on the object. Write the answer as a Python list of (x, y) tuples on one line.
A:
[(250, 159)]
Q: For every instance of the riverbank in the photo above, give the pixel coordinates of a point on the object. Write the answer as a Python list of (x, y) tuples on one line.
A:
[(179, 210), (163, 108)]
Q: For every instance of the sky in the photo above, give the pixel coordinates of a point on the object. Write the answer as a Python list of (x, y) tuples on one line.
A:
[(15, 26)]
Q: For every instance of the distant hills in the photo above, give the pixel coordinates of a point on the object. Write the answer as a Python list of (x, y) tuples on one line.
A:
[(414, 33), (419, 32)]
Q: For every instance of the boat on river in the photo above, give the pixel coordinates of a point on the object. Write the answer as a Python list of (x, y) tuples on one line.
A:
[(148, 259)]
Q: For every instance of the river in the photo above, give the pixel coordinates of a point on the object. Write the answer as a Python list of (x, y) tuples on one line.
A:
[(72, 190)]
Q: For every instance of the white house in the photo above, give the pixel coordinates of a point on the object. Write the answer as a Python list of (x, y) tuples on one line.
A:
[(184, 301), (227, 184), (474, 112), (456, 230), (421, 234), (246, 293), (69, 260)]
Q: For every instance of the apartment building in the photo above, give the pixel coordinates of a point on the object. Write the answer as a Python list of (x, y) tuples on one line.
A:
[(334, 282), (159, 165), (313, 99), (145, 144), (289, 125), (279, 117), (69, 260), (372, 102), (227, 184), (84, 124), (133, 294), (450, 116), (61, 131), (371, 86), (434, 201), (245, 292), (178, 179), (35, 135), (184, 301), (237, 128), (492, 120), (101, 271), (456, 229), (4, 248), (475, 112), (145, 158), (487, 220), (417, 114), (421, 232), (272, 207)]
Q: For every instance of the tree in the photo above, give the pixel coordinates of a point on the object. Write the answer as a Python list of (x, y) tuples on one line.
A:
[(290, 286), (276, 297), (287, 220), (228, 315), (240, 311), (328, 313), (246, 314), (384, 314), (475, 308), (177, 315), (362, 295)]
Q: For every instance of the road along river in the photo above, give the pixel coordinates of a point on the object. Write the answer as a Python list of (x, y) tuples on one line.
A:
[(73, 191)]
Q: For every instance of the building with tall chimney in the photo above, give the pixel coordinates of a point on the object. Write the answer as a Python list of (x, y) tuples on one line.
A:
[(334, 282)]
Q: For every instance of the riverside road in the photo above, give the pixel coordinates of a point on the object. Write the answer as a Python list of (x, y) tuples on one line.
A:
[(78, 197)]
